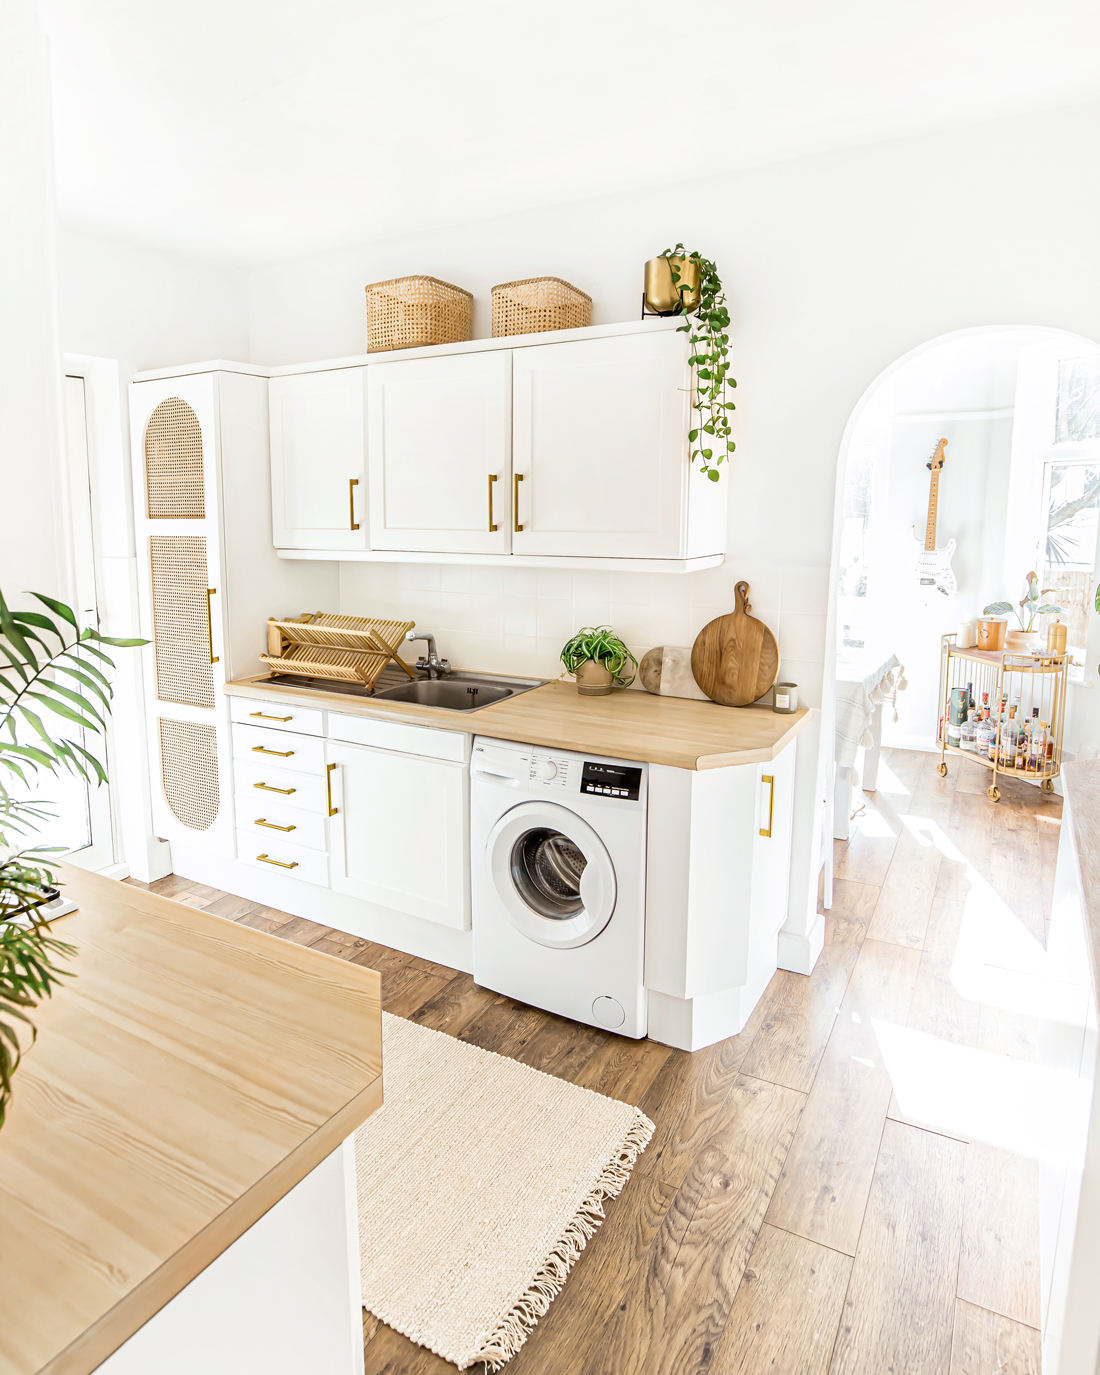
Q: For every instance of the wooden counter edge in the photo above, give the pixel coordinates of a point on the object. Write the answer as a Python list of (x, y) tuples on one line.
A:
[(143, 1302), (1081, 781), (801, 719)]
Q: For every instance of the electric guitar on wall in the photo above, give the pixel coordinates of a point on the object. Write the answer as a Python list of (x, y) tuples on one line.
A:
[(934, 565)]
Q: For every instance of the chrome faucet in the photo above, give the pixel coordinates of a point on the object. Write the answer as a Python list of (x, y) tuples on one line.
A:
[(433, 665)]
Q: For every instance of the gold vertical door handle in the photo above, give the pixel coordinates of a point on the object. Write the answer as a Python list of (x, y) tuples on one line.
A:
[(353, 482), (769, 779), (328, 789), (210, 592), (517, 478), (492, 479)]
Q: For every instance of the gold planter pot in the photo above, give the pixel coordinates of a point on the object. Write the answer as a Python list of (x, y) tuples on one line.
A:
[(660, 296), (593, 679)]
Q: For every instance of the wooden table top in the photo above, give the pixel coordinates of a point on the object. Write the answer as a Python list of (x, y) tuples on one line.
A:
[(684, 733), (187, 1078)]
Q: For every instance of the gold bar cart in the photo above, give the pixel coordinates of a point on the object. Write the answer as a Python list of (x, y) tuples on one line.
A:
[(1038, 680)]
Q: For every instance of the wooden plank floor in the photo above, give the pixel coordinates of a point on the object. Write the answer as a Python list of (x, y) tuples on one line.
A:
[(808, 1203)]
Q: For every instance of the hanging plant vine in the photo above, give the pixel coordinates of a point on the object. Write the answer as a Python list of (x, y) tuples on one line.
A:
[(710, 346)]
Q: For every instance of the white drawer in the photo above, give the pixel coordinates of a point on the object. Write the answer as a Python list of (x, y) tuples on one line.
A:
[(302, 753), (291, 861), (265, 818), (300, 791), (275, 716), (452, 745)]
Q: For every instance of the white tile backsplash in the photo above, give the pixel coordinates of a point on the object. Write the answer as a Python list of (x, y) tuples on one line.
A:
[(517, 619)]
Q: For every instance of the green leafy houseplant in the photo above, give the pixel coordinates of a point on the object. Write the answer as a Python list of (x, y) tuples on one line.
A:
[(43, 671), (1029, 606), (710, 344), (602, 646)]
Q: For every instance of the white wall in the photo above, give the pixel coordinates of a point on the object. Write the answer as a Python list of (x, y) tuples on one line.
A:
[(835, 266)]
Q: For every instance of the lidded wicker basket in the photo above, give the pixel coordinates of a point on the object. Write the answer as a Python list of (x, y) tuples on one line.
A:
[(537, 304), (412, 312)]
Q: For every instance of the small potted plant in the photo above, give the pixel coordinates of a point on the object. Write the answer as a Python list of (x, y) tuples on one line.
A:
[(1027, 609), (599, 661)]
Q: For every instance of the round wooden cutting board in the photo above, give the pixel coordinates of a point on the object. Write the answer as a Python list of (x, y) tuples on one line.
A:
[(735, 658)]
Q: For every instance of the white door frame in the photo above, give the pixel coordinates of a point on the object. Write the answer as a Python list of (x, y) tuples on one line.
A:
[(138, 852)]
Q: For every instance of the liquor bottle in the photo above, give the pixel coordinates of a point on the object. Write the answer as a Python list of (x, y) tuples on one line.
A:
[(985, 706), (1033, 742), (1009, 733), (1021, 745)]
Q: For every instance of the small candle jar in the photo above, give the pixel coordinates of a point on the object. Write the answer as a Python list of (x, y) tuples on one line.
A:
[(785, 698)]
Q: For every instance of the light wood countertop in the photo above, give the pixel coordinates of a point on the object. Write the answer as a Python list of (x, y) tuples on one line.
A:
[(190, 1075), (625, 725), (1081, 781)]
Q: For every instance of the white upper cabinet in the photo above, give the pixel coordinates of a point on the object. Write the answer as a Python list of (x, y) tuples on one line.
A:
[(439, 440), (318, 460), (600, 448)]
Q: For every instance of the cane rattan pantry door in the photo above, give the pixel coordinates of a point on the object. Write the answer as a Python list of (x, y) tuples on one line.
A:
[(174, 434)]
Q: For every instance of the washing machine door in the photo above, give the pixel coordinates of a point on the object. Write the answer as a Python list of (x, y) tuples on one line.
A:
[(552, 874)]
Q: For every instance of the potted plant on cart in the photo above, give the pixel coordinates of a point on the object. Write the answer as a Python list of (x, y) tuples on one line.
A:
[(599, 661), (1030, 606)]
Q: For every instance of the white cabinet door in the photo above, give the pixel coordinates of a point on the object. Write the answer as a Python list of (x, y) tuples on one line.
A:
[(318, 477), (600, 447), (771, 846), (400, 832), (439, 445)]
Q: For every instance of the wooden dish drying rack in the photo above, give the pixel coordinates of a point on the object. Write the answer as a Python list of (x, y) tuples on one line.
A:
[(349, 649)]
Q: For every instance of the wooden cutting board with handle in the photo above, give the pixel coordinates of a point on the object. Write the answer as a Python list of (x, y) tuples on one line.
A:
[(735, 658)]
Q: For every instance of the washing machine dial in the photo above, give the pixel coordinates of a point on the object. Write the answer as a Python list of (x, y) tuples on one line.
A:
[(545, 770)]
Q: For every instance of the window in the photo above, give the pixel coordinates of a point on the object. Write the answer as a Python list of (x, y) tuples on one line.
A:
[(1071, 510)]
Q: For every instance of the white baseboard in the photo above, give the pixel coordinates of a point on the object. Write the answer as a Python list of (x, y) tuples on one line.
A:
[(799, 953)]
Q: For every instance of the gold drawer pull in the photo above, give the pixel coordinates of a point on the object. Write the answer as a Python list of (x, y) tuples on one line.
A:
[(210, 592), (770, 779), (269, 789), (262, 749), (492, 479), (353, 482), (292, 865), (328, 788), (272, 825), (517, 478), (262, 717)]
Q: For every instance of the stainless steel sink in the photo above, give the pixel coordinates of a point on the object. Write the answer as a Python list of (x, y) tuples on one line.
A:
[(459, 691)]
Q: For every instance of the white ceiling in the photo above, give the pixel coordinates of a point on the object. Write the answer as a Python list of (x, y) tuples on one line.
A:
[(251, 130)]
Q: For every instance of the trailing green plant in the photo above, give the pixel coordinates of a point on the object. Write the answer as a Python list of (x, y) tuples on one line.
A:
[(710, 346), (601, 645), (43, 672), (1029, 606)]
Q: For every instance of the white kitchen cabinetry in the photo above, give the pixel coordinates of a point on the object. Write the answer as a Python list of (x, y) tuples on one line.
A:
[(439, 442), (208, 580), (318, 460), (600, 450), (716, 896), (400, 836)]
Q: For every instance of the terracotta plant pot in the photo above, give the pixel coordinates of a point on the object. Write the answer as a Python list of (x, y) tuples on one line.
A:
[(593, 680), (991, 634), (1022, 641)]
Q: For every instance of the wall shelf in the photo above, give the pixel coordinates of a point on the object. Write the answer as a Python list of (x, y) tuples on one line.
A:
[(694, 565)]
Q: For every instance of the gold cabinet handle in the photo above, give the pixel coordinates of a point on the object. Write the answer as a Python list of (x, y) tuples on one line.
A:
[(263, 717), (262, 749), (517, 478), (269, 789), (353, 482), (271, 825), (770, 779), (210, 592), (492, 479), (267, 860), (328, 789)]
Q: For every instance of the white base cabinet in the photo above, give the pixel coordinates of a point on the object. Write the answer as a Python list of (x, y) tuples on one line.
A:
[(716, 894)]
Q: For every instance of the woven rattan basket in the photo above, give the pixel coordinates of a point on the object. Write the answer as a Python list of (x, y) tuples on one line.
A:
[(411, 312), (538, 304)]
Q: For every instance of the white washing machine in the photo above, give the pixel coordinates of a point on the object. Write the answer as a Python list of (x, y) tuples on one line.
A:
[(558, 881)]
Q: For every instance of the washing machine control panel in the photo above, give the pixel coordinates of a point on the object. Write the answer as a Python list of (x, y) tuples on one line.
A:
[(611, 780), (546, 770)]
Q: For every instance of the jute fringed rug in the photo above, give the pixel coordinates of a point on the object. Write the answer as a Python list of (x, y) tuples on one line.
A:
[(480, 1181)]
